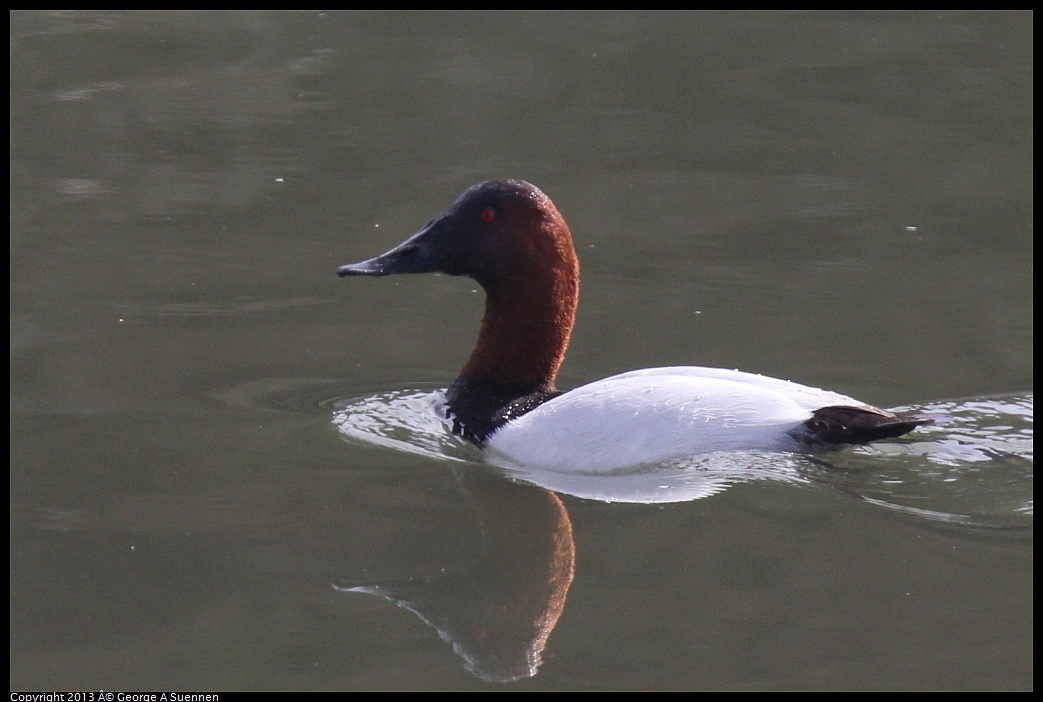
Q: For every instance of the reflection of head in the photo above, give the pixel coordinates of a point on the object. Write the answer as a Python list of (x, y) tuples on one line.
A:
[(499, 614)]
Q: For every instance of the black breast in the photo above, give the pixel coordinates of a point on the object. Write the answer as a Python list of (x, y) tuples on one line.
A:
[(479, 407)]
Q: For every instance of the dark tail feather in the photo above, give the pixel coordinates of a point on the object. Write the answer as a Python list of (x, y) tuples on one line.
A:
[(840, 424)]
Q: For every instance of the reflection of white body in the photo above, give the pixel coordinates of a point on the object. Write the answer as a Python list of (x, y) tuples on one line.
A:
[(659, 414)]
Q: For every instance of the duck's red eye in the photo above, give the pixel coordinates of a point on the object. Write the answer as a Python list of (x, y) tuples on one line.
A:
[(487, 215)]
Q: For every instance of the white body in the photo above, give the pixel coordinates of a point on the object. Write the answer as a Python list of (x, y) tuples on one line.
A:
[(659, 414)]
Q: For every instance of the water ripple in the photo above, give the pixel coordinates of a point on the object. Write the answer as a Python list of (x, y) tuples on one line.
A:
[(974, 466)]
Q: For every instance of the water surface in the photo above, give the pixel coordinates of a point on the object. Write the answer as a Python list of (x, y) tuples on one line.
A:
[(842, 199)]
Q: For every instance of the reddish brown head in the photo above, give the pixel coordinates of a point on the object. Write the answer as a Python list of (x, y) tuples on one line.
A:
[(509, 237)]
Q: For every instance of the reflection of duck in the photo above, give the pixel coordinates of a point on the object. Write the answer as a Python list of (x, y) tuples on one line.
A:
[(509, 237), (498, 615)]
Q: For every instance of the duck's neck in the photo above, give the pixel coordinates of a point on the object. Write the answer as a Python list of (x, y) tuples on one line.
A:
[(521, 345), (523, 338)]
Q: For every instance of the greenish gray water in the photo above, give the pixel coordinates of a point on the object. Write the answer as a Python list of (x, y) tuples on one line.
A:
[(844, 199)]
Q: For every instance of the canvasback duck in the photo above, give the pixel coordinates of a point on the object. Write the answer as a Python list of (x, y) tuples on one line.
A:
[(510, 238)]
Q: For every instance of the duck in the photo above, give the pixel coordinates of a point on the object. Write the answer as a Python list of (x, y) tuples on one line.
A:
[(510, 238)]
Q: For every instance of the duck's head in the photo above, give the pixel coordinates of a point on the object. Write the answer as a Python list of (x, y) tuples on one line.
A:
[(498, 232), (508, 236)]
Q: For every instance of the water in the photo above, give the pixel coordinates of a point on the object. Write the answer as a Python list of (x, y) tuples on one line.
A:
[(843, 199)]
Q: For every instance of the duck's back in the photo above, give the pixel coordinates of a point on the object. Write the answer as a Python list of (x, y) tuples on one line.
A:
[(658, 414)]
